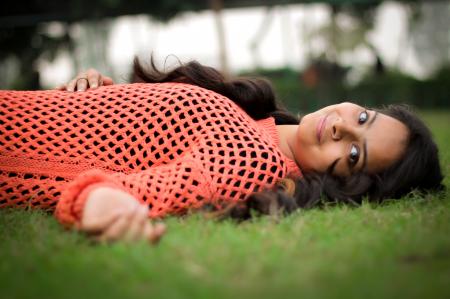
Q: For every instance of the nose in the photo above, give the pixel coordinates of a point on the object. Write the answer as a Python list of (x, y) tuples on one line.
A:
[(342, 129)]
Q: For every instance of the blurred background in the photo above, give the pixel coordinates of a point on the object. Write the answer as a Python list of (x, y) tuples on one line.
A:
[(372, 52)]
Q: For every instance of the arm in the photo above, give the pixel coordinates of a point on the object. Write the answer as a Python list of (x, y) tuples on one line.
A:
[(113, 214), (165, 189), (85, 80)]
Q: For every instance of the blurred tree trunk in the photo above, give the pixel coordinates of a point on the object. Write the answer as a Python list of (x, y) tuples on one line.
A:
[(332, 50), (217, 7), (259, 36)]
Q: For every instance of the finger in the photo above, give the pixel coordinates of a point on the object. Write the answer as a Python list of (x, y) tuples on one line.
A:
[(137, 226), (107, 80), (117, 229), (71, 85), (100, 223), (93, 78), (154, 233), (61, 87), (82, 84)]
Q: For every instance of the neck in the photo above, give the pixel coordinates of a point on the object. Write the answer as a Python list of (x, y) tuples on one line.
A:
[(287, 135)]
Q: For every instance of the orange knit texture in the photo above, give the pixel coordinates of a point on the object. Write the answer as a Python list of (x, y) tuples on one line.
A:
[(173, 146)]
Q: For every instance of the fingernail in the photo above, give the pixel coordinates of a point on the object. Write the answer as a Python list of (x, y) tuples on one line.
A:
[(94, 85)]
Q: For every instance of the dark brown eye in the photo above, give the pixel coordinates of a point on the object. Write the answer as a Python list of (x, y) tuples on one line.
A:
[(354, 155), (363, 116)]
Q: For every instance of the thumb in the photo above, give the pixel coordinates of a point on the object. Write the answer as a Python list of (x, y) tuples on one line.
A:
[(156, 232), (107, 80)]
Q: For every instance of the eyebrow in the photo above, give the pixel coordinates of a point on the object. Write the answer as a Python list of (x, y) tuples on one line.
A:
[(365, 142)]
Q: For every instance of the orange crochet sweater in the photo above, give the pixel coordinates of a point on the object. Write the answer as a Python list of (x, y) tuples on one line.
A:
[(173, 146)]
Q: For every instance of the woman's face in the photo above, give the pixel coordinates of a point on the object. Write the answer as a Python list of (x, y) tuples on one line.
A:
[(348, 138)]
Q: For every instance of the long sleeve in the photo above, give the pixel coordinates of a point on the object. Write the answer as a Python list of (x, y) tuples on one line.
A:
[(173, 146), (167, 189)]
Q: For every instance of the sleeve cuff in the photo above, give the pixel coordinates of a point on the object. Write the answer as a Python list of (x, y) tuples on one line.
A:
[(70, 206)]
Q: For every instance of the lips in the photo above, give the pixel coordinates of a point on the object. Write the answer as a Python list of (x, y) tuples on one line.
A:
[(321, 127)]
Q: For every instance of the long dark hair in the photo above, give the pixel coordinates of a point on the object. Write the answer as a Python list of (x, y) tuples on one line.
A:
[(419, 167)]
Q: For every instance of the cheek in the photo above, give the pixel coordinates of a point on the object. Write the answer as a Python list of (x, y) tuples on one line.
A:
[(326, 155), (319, 159)]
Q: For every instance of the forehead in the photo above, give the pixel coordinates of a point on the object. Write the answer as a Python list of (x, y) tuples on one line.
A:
[(386, 141), (346, 106)]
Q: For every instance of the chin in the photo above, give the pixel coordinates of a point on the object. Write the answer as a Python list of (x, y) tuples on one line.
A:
[(307, 130)]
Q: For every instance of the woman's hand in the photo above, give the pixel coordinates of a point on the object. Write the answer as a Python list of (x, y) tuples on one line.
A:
[(111, 214), (85, 80)]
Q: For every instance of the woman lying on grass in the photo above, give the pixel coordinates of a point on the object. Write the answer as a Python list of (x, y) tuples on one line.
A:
[(111, 156)]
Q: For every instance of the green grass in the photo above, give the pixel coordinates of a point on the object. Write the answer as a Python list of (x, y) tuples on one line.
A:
[(398, 249)]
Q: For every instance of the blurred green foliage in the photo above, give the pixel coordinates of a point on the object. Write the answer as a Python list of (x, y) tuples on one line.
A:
[(373, 90)]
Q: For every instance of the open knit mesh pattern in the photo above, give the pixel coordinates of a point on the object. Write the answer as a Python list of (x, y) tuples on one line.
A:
[(173, 146)]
